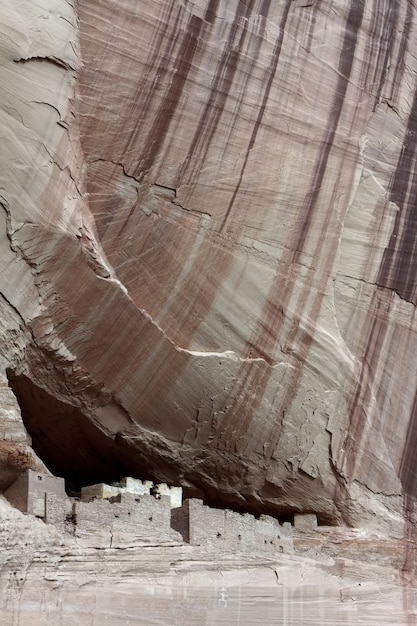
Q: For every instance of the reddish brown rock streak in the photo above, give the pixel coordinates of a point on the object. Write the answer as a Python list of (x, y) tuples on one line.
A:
[(223, 253)]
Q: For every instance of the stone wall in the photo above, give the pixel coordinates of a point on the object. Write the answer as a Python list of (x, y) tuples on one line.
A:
[(28, 493), (135, 486), (135, 512), (227, 530), (56, 510), (125, 518)]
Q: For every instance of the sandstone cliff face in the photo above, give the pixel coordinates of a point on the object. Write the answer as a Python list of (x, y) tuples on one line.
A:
[(207, 247)]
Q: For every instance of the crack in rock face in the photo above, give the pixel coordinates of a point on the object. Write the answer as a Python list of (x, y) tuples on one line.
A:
[(208, 247)]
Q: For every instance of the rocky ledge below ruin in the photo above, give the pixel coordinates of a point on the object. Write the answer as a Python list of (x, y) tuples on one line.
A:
[(68, 572), (334, 576)]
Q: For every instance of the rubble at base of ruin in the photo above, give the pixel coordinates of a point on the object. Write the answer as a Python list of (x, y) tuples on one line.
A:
[(134, 511)]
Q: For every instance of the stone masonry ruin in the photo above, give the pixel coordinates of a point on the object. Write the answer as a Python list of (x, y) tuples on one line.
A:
[(134, 511)]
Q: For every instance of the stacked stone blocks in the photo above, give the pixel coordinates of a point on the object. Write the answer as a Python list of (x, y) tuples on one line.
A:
[(33, 493), (201, 525), (125, 518), (134, 512)]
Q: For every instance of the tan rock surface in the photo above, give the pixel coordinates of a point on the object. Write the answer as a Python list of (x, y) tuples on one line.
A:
[(207, 248)]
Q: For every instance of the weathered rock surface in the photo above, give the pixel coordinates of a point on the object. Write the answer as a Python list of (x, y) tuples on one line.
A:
[(207, 247)]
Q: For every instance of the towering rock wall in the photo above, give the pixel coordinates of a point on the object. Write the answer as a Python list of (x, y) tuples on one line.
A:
[(208, 259)]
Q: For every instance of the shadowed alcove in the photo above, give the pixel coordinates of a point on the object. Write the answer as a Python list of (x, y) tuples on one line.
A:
[(68, 442)]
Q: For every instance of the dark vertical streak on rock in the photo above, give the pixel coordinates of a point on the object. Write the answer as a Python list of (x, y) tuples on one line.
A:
[(272, 72), (211, 11), (387, 40), (142, 102), (171, 100), (221, 87), (399, 68), (311, 30), (169, 104), (165, 46), (399, 264), (408, 467), (347, 55)]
